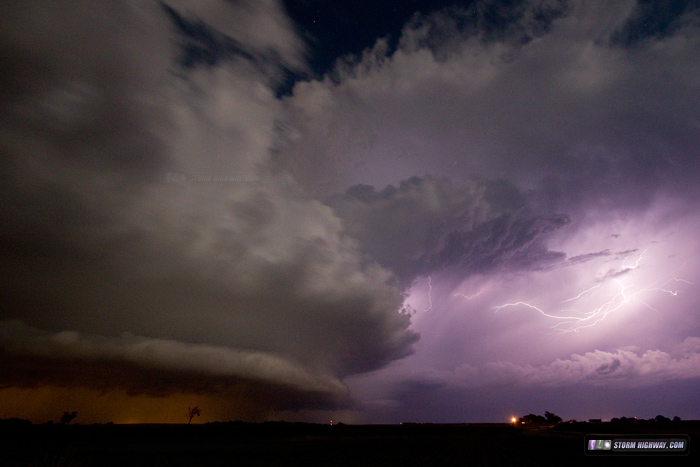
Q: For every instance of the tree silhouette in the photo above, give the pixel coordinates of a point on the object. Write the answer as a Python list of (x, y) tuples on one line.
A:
[(551, 418), (193, 412), (532, 419), (68, 417)]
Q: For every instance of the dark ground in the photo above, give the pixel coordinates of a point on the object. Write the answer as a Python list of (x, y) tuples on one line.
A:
[(277, 443)]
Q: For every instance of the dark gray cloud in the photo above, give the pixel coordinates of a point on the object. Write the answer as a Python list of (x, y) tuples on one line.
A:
[(213, 29), (506, 242), (606, 368), (587, 257), (426, 225)]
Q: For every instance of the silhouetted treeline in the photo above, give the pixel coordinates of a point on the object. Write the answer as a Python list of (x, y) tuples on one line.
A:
[(658, 419), (532, 419), (552, 419)]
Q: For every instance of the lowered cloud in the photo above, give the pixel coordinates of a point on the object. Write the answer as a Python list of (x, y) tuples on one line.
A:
[(260, 28), (181, 360)]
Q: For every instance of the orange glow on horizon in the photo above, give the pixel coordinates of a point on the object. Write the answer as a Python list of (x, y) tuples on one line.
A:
[(47, 403)]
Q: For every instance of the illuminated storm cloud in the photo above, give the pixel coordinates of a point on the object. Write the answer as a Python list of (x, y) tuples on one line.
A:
[(214, 200)]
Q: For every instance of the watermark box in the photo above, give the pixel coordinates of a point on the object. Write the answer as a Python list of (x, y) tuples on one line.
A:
[(636, 445)]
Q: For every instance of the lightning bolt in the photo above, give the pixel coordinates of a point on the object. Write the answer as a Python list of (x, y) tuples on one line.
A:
[(469, 297), (430, 299), (581, 320), (637, 262), (583, 293)]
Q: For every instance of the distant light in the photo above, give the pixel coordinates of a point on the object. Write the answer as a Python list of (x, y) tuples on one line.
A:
[(513, 419), (331, 422)]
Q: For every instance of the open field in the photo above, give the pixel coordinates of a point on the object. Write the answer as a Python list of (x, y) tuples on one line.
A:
[(241, 444)]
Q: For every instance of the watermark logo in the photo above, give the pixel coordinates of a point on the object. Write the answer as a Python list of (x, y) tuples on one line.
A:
[(637, 445)]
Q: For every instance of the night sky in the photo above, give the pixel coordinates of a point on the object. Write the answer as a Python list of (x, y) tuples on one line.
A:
[(370, 212)]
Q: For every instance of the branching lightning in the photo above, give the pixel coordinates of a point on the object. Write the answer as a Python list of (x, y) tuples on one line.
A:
[(572, 320)]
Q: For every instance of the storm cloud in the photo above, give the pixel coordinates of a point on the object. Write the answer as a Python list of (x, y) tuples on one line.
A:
[(556, 101), (145, 225), (580, 119), (189, 210)]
